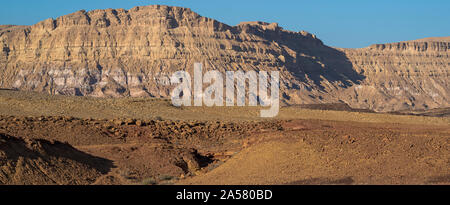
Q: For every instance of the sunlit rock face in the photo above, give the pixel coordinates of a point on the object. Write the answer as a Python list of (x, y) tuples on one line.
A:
[(405, 75), (117, 53)]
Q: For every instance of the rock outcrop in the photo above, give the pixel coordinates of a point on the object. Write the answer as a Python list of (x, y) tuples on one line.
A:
[(41, 162), (117, 52), (405, 75)]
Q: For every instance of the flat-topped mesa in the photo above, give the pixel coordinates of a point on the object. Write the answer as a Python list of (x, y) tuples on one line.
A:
[(119, 53), (421, 45)]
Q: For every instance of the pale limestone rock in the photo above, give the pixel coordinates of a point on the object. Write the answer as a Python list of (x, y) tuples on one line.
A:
[(117, 52)]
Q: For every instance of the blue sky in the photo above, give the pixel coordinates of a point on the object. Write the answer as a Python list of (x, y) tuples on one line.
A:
[(340, 23)]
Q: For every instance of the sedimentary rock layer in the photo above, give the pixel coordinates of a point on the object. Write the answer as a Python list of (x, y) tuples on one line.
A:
[(117, 52)]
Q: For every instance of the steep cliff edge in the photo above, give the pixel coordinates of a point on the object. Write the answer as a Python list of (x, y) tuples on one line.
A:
[(117, 52), (404, 75)]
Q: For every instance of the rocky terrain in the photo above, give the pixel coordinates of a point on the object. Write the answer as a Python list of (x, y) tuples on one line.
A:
[(83, 100), (36, 161), (118, 53), (47, 139)]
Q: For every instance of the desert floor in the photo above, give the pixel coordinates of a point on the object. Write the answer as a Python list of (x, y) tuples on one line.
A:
[(80, 140)]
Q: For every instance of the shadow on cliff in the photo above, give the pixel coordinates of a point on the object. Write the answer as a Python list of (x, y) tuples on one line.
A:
[(318, 62), (313, 61), (330, 65)]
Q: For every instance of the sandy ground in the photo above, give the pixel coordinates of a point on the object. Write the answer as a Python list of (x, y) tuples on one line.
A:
[(148, 141), (339, 153)]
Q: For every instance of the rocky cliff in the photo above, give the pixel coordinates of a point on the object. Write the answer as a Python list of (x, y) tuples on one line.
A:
[(117, 52), (405, 75)]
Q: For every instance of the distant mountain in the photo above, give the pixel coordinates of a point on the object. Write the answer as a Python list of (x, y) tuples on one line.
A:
[(117, 52)]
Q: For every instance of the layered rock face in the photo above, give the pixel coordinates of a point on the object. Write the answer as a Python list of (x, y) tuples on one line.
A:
[(405, 75), (116, 52)]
